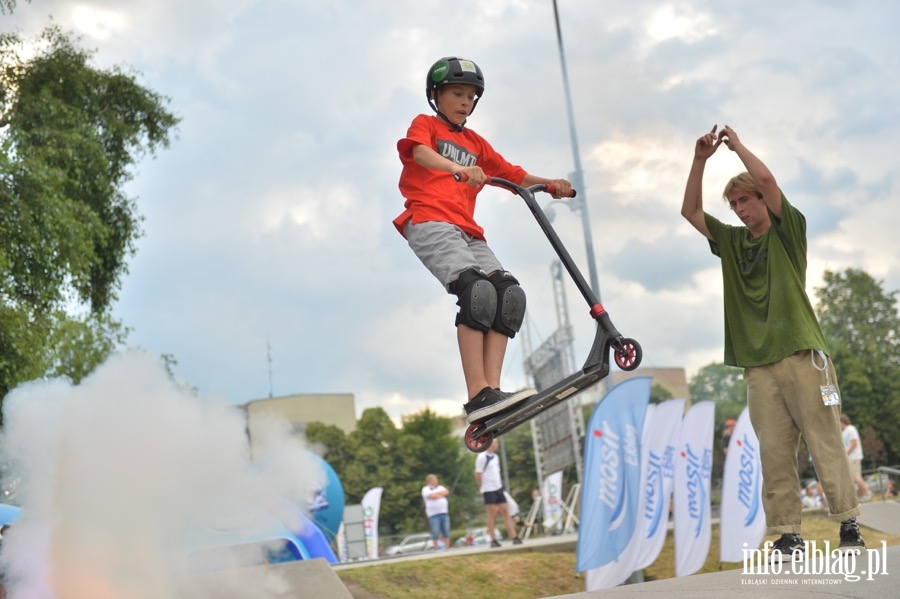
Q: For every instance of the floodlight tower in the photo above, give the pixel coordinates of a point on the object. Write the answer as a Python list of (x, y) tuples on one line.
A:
[(579, 203)]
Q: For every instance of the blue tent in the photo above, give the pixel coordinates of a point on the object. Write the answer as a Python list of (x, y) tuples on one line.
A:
[(8, 513), (236, 533)]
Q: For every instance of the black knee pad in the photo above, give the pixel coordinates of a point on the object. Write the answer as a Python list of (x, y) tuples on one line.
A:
[(477, 299), (510, 304)]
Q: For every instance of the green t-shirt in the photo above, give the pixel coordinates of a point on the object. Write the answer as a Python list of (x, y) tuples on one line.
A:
[(768, 315)]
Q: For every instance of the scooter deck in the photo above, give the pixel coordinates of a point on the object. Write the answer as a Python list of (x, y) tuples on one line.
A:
[(480, 435), (522, 412), (607, 339)]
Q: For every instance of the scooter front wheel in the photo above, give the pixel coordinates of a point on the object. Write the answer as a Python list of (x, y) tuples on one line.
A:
[(480, 443), (628, 354)]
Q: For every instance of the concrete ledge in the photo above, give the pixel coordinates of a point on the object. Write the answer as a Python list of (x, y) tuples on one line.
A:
[(881, 515), (306, 579)]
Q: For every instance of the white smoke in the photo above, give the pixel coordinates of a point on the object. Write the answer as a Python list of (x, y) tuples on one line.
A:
[(112, 473)]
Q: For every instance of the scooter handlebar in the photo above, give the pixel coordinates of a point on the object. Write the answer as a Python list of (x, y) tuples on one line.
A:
[(548, 187)]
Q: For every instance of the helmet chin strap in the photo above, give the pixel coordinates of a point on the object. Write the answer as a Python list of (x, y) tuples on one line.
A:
[(454, 126)]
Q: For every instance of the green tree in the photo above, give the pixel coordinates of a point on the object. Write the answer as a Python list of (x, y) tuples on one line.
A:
[(444, 455), (862, 327), (518, 447), (378, 454), (69, 136), (718, 382), (659, 394), (75, 345), (723, 385)]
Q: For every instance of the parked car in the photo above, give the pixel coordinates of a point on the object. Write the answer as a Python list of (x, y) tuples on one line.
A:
[(477, 537), (416, 543)]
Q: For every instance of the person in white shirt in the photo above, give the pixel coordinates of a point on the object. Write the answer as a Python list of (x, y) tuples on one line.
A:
[(437, 508), (855, 454), (487, 477)]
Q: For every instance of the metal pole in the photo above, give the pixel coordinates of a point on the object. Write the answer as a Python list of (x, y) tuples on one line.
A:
[(578, 178), (503, 467)]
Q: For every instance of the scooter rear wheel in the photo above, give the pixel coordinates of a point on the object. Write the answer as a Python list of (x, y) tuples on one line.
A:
[(478, 444)]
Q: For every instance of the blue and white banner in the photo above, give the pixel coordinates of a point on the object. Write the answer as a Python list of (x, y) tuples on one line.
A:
[(662, 446), (693, 468), (371, 505), (612, 474), (742, 519), (552, 495), (616, 572)]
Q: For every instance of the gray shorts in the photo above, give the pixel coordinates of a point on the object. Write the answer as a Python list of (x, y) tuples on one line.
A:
[(446, 250)]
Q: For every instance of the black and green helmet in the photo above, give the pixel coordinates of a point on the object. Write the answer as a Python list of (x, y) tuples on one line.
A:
[(449, 70)]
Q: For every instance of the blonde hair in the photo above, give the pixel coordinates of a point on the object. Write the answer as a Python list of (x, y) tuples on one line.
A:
[(743, 181)]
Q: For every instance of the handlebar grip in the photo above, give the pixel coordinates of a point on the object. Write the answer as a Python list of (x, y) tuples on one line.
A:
[(461, 177), (551, 189)]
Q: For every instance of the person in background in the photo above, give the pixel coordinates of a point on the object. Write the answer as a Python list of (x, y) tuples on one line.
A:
[(853, 446), (437, 508), (489, 481), (810, 497), (727, 430), (513, 508)]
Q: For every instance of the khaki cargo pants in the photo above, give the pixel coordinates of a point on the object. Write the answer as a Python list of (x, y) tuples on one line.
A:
[(785, 401)]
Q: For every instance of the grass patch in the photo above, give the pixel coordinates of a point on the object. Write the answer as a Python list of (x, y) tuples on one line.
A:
[(532, 573)]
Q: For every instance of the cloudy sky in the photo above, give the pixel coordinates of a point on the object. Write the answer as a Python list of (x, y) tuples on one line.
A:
[(270, 266)]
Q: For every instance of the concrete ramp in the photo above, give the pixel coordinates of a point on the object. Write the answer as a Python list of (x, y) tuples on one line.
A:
[(734, 584), (305, 579), (883, 516)]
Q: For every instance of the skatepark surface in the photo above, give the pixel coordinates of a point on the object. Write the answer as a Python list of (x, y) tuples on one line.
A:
[(876, 571), (882, 583)]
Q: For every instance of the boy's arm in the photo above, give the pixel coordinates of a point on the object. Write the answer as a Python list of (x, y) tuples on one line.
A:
[(428, 158), (563, 186), (692, 204), (759, 171)]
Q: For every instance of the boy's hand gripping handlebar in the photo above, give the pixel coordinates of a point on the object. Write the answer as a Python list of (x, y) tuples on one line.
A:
[(548, 187)]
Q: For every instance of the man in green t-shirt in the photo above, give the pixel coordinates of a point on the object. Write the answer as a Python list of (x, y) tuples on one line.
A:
[(772, 332)]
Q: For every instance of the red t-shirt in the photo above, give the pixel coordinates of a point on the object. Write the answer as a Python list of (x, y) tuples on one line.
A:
[(433, 195)]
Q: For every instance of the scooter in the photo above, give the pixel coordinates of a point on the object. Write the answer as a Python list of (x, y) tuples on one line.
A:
[(626, 352)]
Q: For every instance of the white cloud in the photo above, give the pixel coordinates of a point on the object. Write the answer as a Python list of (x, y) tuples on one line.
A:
[(268, 220), (679, 21)]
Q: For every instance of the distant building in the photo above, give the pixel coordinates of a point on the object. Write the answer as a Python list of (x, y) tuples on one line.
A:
[(338, 409)]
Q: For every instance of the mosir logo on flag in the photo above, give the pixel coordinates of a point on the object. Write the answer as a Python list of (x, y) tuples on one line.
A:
[(659, 464), (693, 529), (750, 478), (661, 468), (612, 474), (613, 493), (699, 469), (742, 520)]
